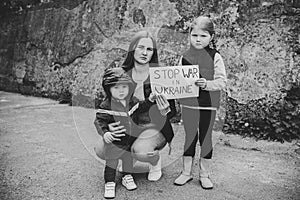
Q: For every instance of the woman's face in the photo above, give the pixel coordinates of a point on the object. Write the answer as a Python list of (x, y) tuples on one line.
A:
[(200, 38), (143, 51)]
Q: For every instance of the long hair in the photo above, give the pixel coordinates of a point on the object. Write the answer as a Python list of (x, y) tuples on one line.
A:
[(206, 24), (128, 64)]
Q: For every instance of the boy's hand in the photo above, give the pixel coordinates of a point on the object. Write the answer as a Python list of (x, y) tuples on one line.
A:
[(201, 83)]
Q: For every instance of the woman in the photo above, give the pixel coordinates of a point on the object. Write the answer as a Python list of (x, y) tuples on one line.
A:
[(156, 127)]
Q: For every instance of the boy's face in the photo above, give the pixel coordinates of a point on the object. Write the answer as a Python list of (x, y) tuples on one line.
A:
[(119, 91), (200, 38), (143, 51)]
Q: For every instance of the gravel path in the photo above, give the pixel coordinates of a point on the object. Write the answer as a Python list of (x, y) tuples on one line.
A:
[(46, 152)]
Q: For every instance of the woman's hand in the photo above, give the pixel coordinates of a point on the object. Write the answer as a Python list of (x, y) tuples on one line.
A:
[(115, 132), (108, 137), (163, 104), (152, 97), (116, 128), (201, 83)]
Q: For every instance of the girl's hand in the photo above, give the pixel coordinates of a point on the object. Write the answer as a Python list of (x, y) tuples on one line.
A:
[(163, 104), (201, 83)]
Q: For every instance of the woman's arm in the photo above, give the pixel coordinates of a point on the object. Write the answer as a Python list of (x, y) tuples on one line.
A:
[(166, 107), (172, 112), (103, 118), (143, 105), (106, 125), (101, 122)]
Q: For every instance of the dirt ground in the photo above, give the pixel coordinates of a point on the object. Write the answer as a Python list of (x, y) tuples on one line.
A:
[(46, 152)]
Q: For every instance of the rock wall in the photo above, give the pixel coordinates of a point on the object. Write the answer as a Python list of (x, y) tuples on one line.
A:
[(59, 48)]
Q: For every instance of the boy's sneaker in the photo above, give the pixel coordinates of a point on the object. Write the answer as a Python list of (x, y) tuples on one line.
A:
[(128, 182), (109, 192)]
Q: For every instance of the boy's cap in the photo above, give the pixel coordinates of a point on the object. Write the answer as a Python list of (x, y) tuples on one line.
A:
[(115, 75)]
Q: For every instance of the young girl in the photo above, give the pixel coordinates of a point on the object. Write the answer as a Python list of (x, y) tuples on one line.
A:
[(119, 106), (199, 113)]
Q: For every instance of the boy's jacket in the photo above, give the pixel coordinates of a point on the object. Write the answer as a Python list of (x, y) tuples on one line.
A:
[(111, 110)]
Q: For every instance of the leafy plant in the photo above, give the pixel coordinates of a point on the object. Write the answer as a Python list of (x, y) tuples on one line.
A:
[(264, 119)]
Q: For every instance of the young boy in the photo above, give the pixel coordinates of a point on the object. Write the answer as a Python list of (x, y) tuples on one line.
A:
[(119, 105)]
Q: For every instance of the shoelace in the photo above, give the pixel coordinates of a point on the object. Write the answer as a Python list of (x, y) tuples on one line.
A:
[(128, 179), (109, 186)]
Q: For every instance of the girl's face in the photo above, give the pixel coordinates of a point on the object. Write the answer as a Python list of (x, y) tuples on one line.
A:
[(143, 51), (200, 38), (119, 91)]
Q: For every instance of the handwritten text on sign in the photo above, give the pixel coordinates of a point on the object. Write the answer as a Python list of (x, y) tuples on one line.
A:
[(175, 82)]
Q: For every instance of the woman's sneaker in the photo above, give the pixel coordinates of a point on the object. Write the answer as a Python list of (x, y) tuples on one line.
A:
[(128, 182), (110, 192), (155, 171)]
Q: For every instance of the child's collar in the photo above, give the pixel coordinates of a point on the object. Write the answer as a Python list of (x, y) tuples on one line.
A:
[(118, 100), (198, 50)]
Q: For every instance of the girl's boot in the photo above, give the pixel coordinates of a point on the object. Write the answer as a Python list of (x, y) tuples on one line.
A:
[(186, 174), (205, 165)]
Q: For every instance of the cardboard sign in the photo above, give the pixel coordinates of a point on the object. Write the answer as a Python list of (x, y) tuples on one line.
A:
[(175, 82)]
